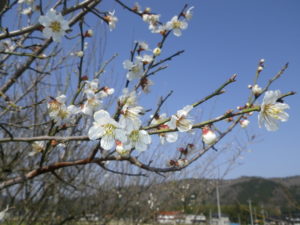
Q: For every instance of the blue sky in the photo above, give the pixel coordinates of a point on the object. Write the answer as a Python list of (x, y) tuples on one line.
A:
[(223, 38)]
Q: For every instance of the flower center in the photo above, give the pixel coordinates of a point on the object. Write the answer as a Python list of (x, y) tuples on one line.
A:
[(109, 129), (63, 114), (55, 26), (176, 24), (54, 106), (134, 136), (92, 102), (273, 111), (135, 69)]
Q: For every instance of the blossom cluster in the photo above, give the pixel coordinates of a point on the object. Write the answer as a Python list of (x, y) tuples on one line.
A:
[(175, 24), (124, 130), (125, 133)]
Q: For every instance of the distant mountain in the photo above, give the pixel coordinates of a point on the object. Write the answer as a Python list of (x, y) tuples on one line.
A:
[(277, 197), (282, 192)]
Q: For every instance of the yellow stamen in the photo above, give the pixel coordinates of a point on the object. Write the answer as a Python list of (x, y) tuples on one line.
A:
[(55, 26), (109, 129)]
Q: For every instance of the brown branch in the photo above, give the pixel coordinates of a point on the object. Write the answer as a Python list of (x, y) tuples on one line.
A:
[(168, 58), (22, 69), (32, 28), (45, 138), (218, 91), (159, 105)]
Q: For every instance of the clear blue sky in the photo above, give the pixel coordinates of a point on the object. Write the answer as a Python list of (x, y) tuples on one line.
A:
[(223, 38)]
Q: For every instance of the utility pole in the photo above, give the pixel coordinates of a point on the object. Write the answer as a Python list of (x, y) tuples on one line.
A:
[(263, 214), (250, 210), (218, 204)]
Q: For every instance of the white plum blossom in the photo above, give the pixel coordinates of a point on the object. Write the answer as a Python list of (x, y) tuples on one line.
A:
[(27, 11), (256, 90), (122, 149), (146, 59), (64, 114), (139, 139), (59, 112), (56, 103), (146, 83), (176, 25), (128, 98), (37, 147), (244, 123), (135, 70), (54, 25), (182, 162), (6, 46), (111, 19), (106, 91), (208, 136), (129, 117), (153, 20), (272, 111), (137, 7), (143, 46), (169, 137), (92, 104), (91, 85), (107, 129), (189, 14), (180, 120)]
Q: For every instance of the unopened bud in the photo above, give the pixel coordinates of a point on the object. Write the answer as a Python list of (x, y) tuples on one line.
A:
[(147, 10), (42, 56), (244, 123), (260, 68), (256, 90), (85, 77), (249, 86), (156, 51), (79, 53), (232, 78), (262, 61), (89, 33), (54, 142)]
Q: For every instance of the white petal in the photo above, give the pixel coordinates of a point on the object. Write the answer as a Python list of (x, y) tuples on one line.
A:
[(127, 64), (184, 25), (73, 109), (271, 124), (284, 116), (101, 115), (172, 122), (44, 20), (121, 135), (145, 137), (177, 32), (95, 132), (87, 110), (107, 142)]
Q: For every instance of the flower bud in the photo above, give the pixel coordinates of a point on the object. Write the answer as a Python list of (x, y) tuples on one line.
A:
[(156, 51), (244, 123), (260, 68), (256, 90), (89, 33), (79, 53)]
